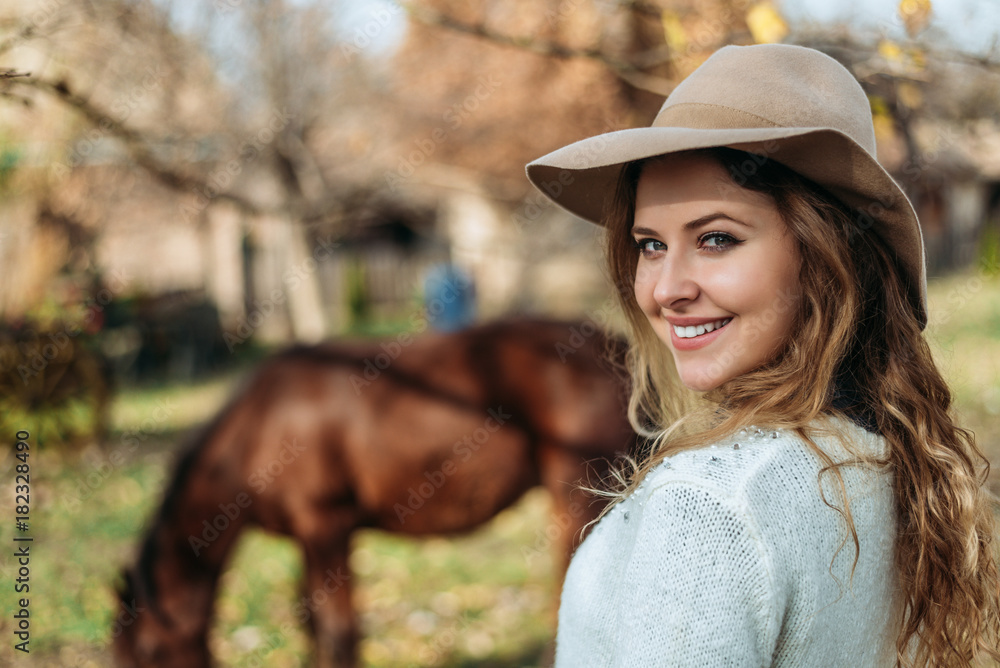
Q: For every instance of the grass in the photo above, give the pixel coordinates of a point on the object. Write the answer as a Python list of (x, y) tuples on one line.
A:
[(473, 600), (964, 331), (469, 601)]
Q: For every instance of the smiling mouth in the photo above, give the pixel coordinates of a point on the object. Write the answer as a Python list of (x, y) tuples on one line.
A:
[(692, 331)]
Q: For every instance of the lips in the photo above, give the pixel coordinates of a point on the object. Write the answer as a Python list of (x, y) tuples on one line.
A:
[(694, 333)]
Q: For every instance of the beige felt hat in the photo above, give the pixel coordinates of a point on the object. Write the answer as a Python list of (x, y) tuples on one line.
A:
[(795, 105)]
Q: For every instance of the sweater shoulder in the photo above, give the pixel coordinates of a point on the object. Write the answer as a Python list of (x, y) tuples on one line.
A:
[(730, 554), (773, 466)]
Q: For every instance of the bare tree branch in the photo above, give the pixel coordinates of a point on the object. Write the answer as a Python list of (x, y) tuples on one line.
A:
[(626, 71), (632, 72), (854, 48), (136, 147)]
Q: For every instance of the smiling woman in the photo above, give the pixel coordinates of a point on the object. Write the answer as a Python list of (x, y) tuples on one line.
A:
[(809, 499), (713, 262)]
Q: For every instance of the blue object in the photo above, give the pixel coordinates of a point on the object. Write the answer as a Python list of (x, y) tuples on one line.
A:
[(449, 297)]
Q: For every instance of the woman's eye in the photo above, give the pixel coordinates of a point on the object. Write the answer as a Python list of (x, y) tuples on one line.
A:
[(718, 240), (649, 246)]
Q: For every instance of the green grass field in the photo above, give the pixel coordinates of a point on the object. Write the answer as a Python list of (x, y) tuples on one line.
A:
[(470, 601)]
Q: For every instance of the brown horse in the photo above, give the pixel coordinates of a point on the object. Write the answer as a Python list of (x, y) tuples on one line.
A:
[(433, 434)]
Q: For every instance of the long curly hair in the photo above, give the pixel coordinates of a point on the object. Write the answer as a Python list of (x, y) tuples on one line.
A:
[(855, 350)]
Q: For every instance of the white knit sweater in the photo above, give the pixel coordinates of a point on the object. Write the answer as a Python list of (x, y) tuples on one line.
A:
[(725, 557)]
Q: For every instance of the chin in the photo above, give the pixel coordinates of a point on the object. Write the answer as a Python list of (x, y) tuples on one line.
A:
[(696, 374), (699, 380)]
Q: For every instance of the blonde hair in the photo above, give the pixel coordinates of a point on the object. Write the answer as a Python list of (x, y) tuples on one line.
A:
[(854, 333)]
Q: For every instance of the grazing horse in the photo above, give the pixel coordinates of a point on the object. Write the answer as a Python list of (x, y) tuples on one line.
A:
[(432, 434)]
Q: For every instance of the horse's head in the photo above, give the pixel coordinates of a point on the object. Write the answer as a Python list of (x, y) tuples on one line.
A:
[(143, 636)]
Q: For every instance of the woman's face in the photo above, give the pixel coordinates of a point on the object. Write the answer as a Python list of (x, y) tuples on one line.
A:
[(717, 273)]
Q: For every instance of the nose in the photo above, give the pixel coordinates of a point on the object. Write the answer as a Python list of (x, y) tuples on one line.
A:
[(673, 283)]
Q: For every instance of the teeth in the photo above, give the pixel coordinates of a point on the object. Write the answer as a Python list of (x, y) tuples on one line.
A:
[(693, 331)]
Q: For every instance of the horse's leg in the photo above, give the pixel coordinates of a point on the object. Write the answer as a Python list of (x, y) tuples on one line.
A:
[(563, 472), (327, 600)]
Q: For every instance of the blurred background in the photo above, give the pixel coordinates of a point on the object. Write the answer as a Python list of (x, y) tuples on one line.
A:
[(187, 186)]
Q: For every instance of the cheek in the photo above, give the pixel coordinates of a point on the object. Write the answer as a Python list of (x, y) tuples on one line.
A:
[(773, 305), (642, 288), (737, 286), (765, 281), (786, 290)]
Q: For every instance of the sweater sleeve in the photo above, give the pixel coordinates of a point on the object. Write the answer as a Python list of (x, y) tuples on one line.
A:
[(697, 588)]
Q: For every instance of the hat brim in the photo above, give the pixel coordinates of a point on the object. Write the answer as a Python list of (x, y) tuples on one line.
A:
[(582, 178)]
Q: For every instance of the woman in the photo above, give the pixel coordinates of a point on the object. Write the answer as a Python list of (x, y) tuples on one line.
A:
[(811, 502)]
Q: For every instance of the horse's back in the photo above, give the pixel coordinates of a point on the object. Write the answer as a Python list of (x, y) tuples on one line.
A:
[(452, 423)]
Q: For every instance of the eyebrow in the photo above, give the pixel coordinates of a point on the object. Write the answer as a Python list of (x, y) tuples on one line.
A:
[(696, 223)]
